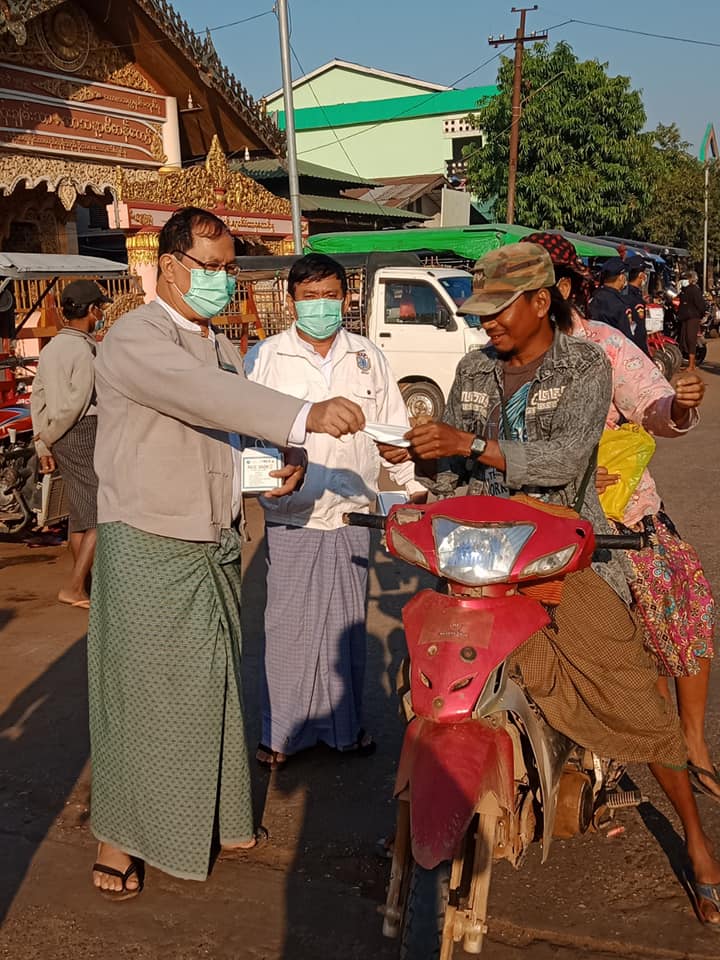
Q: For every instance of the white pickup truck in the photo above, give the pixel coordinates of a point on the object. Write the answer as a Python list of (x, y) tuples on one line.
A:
[(407, 310)]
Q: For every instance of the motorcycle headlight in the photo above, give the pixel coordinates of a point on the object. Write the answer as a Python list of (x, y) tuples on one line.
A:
[(478, 555)]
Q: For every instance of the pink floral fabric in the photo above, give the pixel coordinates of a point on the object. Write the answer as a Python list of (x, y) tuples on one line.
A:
[(642, 395), (671, 591), (675, 602)]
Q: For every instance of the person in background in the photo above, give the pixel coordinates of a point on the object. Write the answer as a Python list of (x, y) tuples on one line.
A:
[(169, 758), (65, 423), (315, 641), (609, 304), (670, 589), (690, 315), (635, 296)]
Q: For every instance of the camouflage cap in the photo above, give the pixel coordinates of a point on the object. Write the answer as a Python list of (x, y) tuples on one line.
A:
[(503, 274)]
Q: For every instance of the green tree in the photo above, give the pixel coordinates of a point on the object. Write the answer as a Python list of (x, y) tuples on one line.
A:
[(676, 216), (584, 165)]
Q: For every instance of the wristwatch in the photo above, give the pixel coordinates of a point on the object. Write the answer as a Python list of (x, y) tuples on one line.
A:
[(477, 447)]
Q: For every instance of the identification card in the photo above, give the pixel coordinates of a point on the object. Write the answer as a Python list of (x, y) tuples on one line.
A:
[(257, 464)]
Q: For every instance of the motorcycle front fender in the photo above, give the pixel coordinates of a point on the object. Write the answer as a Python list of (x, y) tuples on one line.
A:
[(448, 768)]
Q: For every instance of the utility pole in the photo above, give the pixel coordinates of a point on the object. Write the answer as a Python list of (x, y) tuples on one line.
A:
[(281, 9), (519, 40)]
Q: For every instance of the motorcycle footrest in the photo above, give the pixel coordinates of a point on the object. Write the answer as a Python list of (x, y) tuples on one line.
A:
[(621, 799)]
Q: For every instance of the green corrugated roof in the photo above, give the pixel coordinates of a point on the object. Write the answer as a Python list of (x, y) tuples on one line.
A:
[(273, 168), (380, 111), (311, 204), (469, 242)]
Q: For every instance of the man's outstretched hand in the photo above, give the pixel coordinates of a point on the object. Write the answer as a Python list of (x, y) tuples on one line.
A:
[(336, 416)]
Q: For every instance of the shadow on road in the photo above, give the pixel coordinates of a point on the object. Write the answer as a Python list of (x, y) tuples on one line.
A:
[(43, 749)]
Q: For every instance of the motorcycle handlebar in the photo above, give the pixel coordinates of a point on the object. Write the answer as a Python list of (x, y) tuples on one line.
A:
[(620, 541), (376, 521)]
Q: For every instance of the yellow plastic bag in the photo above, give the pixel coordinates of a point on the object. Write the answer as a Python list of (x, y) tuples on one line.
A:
[(626, 451)]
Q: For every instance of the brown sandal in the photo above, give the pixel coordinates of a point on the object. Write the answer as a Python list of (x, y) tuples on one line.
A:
[(124, 894)]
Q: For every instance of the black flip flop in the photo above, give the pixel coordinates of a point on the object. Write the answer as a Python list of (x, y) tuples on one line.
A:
[(124, 894), (273, 763), (696, 773)]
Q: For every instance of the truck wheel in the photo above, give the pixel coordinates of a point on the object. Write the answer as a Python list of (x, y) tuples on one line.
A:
[(423, 399), (427, 902)]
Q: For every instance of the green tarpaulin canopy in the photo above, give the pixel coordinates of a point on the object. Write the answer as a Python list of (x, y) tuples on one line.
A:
[(467, 242)]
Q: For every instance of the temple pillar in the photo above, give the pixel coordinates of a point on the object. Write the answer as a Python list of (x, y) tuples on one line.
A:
[(142, 254)]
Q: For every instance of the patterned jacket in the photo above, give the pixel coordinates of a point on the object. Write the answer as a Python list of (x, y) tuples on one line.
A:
[(565, 416)]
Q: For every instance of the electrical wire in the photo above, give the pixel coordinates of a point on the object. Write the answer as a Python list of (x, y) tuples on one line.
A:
[(646, 33), (409, 109), (334, 131), (422, 103)]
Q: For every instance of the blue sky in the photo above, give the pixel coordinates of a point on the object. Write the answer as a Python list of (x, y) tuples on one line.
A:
[(679, 81)]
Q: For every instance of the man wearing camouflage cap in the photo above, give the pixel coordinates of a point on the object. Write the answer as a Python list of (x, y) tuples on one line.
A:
[(524, 416)]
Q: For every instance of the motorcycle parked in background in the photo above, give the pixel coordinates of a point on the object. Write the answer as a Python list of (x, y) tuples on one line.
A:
[(29, 500), (481, 774)]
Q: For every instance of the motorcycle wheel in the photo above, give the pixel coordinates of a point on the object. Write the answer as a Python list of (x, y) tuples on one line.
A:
[(700, 353), (663, 362), (427, 902), (675, 354)]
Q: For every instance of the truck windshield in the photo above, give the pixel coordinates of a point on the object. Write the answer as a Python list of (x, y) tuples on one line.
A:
[(460, 289)]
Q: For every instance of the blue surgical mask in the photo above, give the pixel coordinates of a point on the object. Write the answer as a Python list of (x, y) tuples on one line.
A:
[(209, 293), (319, 319)]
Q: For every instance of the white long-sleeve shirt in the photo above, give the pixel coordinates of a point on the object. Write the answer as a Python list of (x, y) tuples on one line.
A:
[(342, 475)]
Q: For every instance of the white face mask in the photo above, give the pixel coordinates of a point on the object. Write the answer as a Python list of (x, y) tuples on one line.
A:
[(684, 283)]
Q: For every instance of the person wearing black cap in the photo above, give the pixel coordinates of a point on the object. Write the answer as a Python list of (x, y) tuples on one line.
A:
[(609, 304), (636, 301), (64, 423)]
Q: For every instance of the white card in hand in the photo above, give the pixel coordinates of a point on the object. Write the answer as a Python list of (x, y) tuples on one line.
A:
[(387, 433)]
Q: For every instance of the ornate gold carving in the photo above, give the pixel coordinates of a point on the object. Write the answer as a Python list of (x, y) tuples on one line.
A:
[(200, 186), (142, 249), (103, 61), (63, 35), (121, 305), (58, 175), (67, 194)]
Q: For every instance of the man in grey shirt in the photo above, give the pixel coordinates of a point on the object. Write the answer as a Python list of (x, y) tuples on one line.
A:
[(64, 423)]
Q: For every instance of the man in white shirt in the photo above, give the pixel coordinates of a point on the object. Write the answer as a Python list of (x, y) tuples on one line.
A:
[(317, 567)]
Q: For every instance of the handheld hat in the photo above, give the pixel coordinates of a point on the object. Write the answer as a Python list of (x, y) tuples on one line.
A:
[(502, 275)]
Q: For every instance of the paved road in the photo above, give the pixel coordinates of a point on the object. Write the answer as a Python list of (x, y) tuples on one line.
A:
[(314, 891)]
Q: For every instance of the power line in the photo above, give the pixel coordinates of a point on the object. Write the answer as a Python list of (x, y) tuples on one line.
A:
[(422, 103), (337, 138), (409, 109), (645, 33)]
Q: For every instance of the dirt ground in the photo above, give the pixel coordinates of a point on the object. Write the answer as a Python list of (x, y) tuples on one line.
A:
[(314, 890)]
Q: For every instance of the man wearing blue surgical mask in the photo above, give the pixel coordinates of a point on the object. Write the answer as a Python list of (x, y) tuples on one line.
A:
[(167, 735), (316, 609)]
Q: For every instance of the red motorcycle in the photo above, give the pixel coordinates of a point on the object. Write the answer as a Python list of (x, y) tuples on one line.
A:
[(481, 774), (29, 500)]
